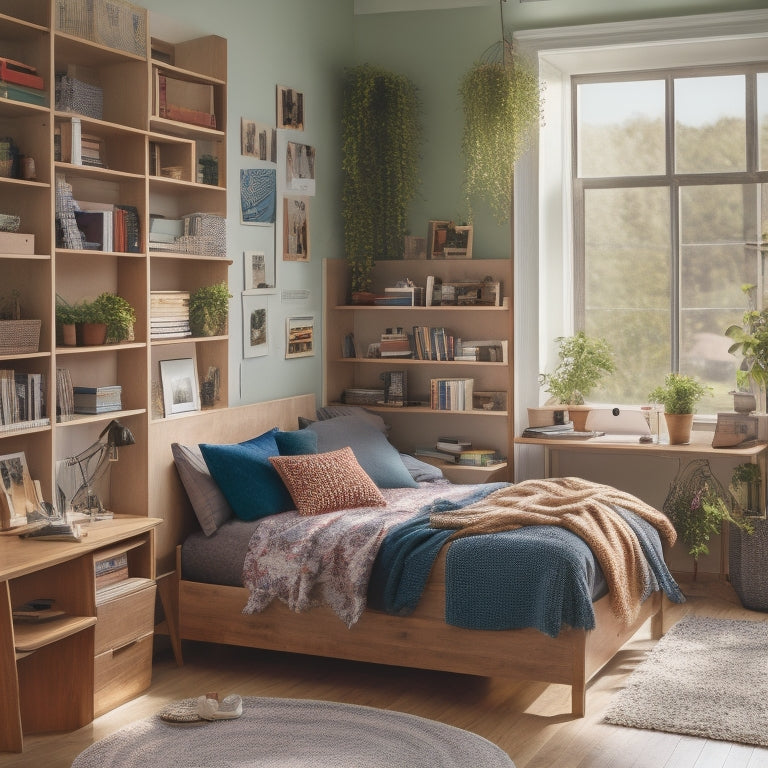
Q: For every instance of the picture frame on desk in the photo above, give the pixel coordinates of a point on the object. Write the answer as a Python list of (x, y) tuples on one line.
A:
[(181, 392)]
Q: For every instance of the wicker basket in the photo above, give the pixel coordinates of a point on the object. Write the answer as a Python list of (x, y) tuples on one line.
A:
[(19, 337), (113, 23)]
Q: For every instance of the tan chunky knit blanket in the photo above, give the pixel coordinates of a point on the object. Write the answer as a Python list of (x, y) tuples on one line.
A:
[(582, 507)]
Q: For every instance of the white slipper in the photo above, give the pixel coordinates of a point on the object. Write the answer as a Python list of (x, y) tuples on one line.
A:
[(228, 708)]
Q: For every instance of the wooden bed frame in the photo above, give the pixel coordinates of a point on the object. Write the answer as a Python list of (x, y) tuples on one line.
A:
[(211, 613)]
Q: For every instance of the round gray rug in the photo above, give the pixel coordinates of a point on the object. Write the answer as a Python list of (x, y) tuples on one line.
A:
[(296, 733)]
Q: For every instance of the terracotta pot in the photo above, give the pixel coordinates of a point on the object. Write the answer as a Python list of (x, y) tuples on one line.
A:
[(578, 414), (68, 335), (91, 334), (679, 427), (363, 297)]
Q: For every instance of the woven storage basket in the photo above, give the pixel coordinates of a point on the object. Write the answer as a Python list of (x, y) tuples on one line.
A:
[(19, 337), (113, 23), (746, 565), (74, 95)]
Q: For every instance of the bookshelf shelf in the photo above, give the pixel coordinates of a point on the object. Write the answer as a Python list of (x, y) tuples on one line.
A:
[(33, 637)]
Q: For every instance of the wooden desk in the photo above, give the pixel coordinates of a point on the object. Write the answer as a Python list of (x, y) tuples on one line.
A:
[(47, 680)]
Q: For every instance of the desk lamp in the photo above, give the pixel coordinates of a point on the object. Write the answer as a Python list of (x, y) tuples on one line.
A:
[(93, 463)]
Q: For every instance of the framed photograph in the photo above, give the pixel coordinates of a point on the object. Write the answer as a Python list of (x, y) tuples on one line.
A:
[(489, 401), (255, 325), (300, 336), (17, 491), (259, 271), (258, 192), (180, 389), (446, 240), (258, 140), (295, 229), (300, 168), (290, 108)]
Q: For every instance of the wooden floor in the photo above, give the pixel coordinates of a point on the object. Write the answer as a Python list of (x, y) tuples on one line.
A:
[(529, 721)]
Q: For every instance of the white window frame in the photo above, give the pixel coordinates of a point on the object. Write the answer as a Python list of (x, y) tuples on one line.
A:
[(543, 223)]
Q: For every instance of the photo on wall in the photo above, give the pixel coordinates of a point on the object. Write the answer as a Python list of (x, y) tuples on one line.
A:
[(255, 325), (300, 336), (295, 228), (290, 108), (300, 168), (259, 271), (258, 140), (258, 193)]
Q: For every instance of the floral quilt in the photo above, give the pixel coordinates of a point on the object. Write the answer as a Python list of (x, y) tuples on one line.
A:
[(327, 559)]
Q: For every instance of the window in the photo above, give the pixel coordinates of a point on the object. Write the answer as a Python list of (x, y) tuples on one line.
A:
[(669, 199)]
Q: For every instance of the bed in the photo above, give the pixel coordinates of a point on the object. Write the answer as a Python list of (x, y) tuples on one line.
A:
[(202, 611)]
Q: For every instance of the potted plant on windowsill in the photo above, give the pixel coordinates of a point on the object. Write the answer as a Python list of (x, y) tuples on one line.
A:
[(584, 362), (679, 395)]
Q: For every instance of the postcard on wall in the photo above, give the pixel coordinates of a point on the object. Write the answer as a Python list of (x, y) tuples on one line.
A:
[(300, 336), (255, 325), (258, 140), (295, 228), (300, 168), (258, 194), (290, 108), (259, 272)]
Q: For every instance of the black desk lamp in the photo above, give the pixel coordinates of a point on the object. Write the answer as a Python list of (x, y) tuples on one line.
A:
[(93, 463)]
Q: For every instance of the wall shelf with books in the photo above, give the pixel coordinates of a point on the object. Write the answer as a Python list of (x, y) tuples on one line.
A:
[(486, 423)]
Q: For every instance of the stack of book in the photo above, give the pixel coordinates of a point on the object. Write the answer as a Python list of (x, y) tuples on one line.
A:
[(20, 81), (451, 394), (110, 570), (485, 351), (107, 227), (433, 343), (65, 405), (456, 450), (169, 314), (395, 343), (97, 399), (183, 100), (22, 400)]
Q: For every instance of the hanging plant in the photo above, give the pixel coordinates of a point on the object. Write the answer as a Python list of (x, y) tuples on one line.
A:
[(381, 136), (501, 99)]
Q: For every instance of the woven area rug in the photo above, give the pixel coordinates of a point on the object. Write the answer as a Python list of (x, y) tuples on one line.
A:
[(705, 677), (296, 733)]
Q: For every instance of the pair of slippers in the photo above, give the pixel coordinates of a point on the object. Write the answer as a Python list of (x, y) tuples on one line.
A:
[(207, 707)]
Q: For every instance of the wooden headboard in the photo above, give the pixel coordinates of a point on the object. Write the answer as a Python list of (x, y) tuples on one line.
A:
[(167, 497)]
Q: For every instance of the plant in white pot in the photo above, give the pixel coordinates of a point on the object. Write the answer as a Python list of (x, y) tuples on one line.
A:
[(584, 361), (679, 395)]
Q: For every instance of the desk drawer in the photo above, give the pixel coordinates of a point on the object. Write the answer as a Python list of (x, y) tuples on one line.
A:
[(122, 673), (125, 619)]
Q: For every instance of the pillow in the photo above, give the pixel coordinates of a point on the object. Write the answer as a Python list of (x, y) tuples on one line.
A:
[(294, 443), (333, 411), (379, 459), (421, 471), (327, 482), (207, 500), (246, 478)]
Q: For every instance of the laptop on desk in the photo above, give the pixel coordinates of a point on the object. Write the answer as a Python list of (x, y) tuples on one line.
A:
[(619, 425)]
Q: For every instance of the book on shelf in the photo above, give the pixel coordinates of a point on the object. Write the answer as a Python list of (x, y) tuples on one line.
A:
[(97, 399), (452, 446), (22, 398), (110, 570), (183, 100), (479, 457), (65, 406), (120, 588), (451, 394), (483, 351), (12, 71)]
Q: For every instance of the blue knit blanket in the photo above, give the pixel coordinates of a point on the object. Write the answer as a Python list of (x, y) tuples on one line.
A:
[(539, 576)]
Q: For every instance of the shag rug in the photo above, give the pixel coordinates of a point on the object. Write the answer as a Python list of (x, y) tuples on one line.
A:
[(706, 677), (296, 733)]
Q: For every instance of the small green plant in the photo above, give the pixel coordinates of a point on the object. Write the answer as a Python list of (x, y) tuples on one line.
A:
[(679, 394), (114, 312), (584, 362), (381, 136), (209, 309), (750, 340), (66, 313)]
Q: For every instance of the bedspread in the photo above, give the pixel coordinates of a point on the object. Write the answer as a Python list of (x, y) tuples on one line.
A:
[(327, 559)]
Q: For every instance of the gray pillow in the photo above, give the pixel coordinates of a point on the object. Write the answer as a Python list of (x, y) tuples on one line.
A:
[(334, 411), (421, 471), (210, 506), (375, 454)]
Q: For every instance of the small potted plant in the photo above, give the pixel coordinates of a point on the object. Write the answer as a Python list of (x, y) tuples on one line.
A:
[(679, 396), (67, 317), (108, 319), (209, 309), (584, 362)]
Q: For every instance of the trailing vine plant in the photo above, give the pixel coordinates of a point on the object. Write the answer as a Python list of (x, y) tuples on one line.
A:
[(381, 137), (501, 100)]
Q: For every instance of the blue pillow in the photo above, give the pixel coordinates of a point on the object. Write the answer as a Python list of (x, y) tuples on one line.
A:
[(245, 476), (296, 443), (374, 453)]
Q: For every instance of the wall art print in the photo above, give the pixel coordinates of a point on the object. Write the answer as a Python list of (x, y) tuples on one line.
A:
[(295, 228), (258, 193)]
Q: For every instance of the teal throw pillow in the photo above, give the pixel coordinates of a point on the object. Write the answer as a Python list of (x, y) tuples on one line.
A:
[(245, 476), (296, 443)]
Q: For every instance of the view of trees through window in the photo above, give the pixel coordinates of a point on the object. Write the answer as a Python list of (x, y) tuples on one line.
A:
[(670, 202)]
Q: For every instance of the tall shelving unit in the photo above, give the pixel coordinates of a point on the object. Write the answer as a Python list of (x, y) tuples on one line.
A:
[(133, 138), (416, 426)]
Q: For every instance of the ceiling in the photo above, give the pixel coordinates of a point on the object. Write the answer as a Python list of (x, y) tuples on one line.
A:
[(389, 6)]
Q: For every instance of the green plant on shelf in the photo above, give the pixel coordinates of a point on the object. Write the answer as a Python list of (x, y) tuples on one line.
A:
[(209, 309)]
